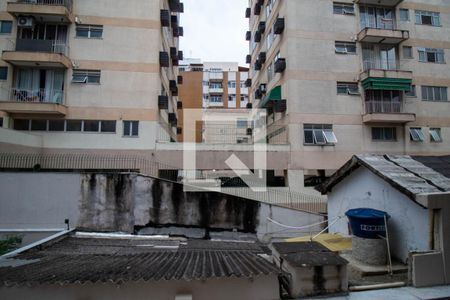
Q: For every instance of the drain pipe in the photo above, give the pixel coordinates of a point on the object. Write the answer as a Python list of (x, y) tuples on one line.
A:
[(377, 286)]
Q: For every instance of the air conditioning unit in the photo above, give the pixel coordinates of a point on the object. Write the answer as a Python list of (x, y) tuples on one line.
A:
[(25, 22)]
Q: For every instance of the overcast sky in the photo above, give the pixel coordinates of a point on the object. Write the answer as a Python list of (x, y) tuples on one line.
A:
[(214, 30)]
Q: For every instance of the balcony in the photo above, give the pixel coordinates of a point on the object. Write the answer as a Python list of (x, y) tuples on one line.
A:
[(215, 76), (386, 112), (389, 3), (382, 36), (385, 75), (45, 10), (215, 90), (42, 53), (37, 101)]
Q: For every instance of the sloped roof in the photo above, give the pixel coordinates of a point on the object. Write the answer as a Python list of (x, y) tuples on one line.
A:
[(101, 260), (308, 254), (405, 173)]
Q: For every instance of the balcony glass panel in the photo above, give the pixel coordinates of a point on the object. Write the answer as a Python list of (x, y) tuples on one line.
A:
[(380, 57), (378, 101), (377, 17)]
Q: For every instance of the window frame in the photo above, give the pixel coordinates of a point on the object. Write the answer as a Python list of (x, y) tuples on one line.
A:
[(346, 46), (4, 68), (89, 28), (412, 93), (320, 134), (416, 135), (342, 7), (2, 22), (427, 91), (419, 14), (401, 14), (86, 76), (411, 52), (347, 86), (424, 53), (383, 135), (435, 135), (132, 125)]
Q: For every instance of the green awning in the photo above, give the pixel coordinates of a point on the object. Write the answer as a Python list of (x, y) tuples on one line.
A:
[(389, 84), (273, 95)]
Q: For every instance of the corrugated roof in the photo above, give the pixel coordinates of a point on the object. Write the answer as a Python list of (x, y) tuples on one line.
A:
[(405, 173), (84, 260)]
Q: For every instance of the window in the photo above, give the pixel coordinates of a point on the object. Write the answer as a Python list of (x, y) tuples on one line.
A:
[(130, 128), (232, 97), (431, 55), (108, 126), (412, 92), (217, 85), (242, 123), (89, 31), (428, 18), (5, 26), (39, 125), (345, 48), (434, 93), (73, 125), (407, 52), (344, 88), (404, 14), (216, 99), (86, 76), (384, 133), (3, 73), (319, 134), (270, 40), (20, 124), (91, 126), (56, 125), (1, 122), (269, 72), (232, 84), (343, 9), (416, 135), (205, 83), (435, 135)]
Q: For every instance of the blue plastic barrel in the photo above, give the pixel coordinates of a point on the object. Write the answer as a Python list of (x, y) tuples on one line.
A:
[(367, 223)]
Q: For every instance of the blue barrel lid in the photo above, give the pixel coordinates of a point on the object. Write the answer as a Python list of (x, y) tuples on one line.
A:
[(367, 213)]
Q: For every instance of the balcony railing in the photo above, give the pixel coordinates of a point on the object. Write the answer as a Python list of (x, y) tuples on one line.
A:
[(383, 107), (66, 3), (380, 23), (377, 64), (42, 46), (37, 96)]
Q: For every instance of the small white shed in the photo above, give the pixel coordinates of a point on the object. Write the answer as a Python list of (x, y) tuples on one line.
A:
[(400, 185)]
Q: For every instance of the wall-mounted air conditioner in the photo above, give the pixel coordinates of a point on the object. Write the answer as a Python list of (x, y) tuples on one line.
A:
[(25, 22)]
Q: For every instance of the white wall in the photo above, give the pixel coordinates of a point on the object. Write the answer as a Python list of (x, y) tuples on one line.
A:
[(408, 226)]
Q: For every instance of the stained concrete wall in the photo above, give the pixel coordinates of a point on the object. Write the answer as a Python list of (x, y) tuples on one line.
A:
[(259, 288), (128, 202), (408, 226)]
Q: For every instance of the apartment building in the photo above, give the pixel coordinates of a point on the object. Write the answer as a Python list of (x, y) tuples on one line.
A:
[(97, 76), (218, 88), (346, 77)]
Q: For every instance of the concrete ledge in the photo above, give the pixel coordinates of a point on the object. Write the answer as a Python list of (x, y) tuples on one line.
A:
[(33, 108), (43, 59), (400, 74), (400, 118), (15, 9), (384, 36)]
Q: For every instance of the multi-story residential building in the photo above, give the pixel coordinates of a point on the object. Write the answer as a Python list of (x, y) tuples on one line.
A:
[(346, 77), (212, 85), (90, 75)]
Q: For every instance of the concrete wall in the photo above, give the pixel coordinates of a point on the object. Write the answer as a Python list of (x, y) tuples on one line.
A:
[(408, 226), (259, 288), (129, 202)]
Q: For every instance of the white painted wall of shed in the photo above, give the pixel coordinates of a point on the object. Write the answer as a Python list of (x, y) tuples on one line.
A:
[(264, 287), (39, 200), (408, 226)]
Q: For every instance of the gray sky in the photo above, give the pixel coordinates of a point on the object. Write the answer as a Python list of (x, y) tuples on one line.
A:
[(214, 30)]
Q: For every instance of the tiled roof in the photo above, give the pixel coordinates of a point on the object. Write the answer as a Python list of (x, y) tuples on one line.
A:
[(405, 173), (83, 260)]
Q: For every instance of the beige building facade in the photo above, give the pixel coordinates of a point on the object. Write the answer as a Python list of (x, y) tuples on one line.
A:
[(90, 75), (346, 77)]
